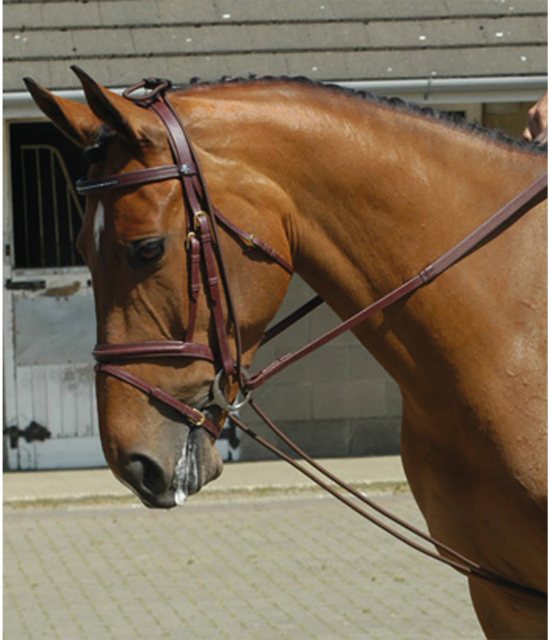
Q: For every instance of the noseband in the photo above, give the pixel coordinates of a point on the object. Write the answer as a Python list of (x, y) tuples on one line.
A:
[(204, 254)]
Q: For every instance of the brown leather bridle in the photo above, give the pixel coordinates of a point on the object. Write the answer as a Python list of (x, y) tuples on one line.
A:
[(203, 250), (204, 253)]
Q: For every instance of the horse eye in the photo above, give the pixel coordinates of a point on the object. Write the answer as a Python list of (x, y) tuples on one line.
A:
[(146, 251)]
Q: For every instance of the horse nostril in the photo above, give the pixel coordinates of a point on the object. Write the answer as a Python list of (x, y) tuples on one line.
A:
[(146, 474)]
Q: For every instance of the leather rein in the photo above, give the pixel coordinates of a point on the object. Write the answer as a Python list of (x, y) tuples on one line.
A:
[(204, 254)]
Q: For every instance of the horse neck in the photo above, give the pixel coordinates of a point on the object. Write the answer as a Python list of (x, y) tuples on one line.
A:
[(382, 200), (374, 195), (387, 215)]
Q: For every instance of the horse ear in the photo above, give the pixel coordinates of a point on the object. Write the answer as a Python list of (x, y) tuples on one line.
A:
[(75, 120), (127, 119)]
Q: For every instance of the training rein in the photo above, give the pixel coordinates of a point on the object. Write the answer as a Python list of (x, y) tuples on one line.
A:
[(204, 253)]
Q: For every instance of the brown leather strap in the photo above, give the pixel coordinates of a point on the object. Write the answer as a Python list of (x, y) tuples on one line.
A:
[(194, 416), (152, 349), (291, 319), (193, 251), (534, 193), (85, 186), (214, 293), (193, 188), (525, 200), (286, 360), (176, 135), (253, 242)]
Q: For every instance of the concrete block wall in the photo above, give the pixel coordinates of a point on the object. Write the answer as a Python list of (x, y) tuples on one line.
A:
[(335, 402)]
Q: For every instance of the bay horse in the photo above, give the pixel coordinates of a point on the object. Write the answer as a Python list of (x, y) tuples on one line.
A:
[(355, 194)]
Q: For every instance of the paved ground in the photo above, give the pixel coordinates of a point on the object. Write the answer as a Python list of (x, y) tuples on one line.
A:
[(269, 477), (243, 566)]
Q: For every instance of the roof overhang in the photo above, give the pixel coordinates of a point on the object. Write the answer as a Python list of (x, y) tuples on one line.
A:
[(20, 106), (458, 90)]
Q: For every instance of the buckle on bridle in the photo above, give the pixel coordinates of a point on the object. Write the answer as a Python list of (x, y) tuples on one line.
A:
[(201, 420), (189, 238), (197, 216), (249, 241)]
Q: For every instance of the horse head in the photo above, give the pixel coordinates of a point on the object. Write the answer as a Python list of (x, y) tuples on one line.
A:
[(152, 286)]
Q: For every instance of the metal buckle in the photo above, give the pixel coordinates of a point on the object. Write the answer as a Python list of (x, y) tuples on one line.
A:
[(188, 239), (197, 216), (201, 420), (249, 241)]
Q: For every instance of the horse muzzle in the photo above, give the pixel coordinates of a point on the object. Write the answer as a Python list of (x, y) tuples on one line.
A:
[(166, 483)]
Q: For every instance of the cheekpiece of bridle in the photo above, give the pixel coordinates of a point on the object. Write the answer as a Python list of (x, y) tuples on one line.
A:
[(204, 254)]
